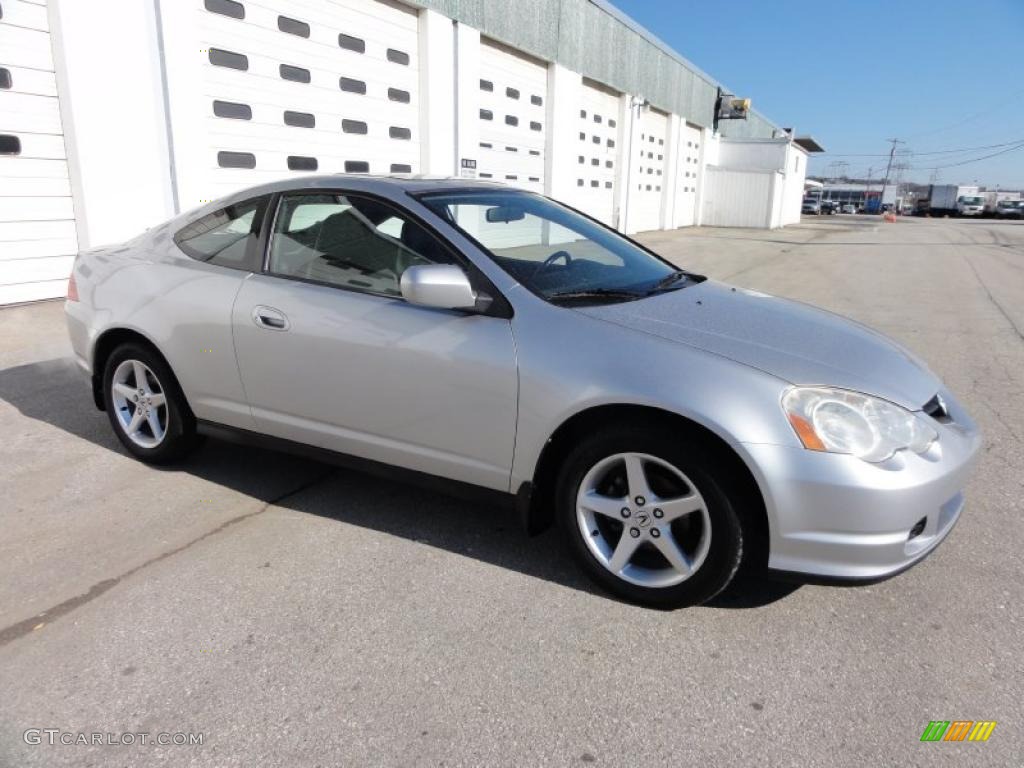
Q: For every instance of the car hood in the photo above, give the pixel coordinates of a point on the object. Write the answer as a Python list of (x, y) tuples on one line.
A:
[(792, 341)]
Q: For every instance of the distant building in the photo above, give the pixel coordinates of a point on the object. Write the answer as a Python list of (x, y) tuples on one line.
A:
[(857, 192)]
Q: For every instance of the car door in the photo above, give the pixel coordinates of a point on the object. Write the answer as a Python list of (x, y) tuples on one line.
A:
[(331, 355), (191, 312)]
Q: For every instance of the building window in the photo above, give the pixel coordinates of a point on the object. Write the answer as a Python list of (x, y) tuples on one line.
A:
[(229, 59), (401, 168), (398, 57), (236, 159), (537, 101), (399, 133), (295, 74), (299, 119), (297, 163), (349, 85), (293, 26), (583, 114), (353, 126), (226, 8), (5, 78), (486, 85), (357, 166), (9, 144), (511, 120), (486, 114), (535, 126), (232, 110), (512, 93), (350, 43), (396, 94), (597, 118)]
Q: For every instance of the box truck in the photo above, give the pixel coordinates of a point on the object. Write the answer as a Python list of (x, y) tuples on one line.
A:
[(955, 200)]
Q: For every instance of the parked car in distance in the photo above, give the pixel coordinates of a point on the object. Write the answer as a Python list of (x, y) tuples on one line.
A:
[(849, 208), (674, 428), (829, 207), (811, 206), (1009, 209)]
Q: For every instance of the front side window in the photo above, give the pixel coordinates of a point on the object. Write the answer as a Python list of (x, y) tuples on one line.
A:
[(554, 251), (348, 241), (228, 237)]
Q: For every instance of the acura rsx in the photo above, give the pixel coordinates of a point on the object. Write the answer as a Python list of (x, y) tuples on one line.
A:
[(673, 427)]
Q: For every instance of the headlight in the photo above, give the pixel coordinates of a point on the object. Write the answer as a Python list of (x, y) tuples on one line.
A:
[(841, 421)]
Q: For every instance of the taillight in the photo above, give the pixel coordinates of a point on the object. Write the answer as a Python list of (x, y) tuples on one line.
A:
[(72, 288)]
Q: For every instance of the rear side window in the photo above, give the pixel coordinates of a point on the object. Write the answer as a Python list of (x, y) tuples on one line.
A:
[(228, 237)]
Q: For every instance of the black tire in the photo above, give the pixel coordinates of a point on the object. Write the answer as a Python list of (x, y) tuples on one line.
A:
[(180, 436), (726, 546)]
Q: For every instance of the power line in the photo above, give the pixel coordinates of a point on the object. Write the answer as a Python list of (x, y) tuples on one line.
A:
[(975, 159), (932, 152)]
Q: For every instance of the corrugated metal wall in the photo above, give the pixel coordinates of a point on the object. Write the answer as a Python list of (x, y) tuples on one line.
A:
[(595, 40)]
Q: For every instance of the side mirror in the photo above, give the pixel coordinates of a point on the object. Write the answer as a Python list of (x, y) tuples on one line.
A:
[(441, 286)]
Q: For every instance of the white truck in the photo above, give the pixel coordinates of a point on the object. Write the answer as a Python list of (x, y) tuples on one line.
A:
[(955, 200)]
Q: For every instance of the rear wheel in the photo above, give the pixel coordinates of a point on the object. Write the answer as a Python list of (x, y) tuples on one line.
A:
[(145, 405), (644, 515)]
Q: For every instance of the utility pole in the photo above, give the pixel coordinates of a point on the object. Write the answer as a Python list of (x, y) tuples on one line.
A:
[(888, 168), (867, 187)]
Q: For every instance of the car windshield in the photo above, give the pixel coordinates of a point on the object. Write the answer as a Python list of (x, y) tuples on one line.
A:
[(557, 253)]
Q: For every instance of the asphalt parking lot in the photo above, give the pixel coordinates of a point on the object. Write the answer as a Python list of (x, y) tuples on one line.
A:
[(298, 614)]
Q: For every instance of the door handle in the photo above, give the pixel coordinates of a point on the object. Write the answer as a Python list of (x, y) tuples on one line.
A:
[(268, 317)]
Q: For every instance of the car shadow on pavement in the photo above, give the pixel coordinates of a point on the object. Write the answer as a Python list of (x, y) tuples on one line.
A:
[(55, 392)]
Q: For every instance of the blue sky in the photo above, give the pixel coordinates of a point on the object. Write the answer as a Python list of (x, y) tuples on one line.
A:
[(939, 74)]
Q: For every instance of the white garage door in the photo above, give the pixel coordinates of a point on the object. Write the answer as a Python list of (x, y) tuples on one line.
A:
[(37, 221), (512, 117), (598, 152), (294, 86), (687, 176), (649, 170)]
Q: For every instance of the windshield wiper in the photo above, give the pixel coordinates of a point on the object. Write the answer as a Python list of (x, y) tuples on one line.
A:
[(611, 294), (668, 280)]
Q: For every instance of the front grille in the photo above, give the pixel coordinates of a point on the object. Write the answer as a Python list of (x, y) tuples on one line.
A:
[(936, 408)]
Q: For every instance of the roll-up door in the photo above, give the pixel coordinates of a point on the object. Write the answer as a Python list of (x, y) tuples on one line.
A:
[(38, 241), (295, 87), (598, 152), (687, 176), (513, 88), (648, 179)]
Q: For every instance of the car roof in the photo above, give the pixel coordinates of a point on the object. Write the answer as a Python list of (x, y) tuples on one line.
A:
[(381, 184)]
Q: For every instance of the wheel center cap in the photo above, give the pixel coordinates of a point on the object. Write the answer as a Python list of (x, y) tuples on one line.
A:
[(643, 519)]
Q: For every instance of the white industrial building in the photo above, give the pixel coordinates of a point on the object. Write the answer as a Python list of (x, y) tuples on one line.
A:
[(116, 115)]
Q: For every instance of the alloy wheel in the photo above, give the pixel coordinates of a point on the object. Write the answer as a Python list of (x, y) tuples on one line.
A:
[(140, 403), (643, 520)]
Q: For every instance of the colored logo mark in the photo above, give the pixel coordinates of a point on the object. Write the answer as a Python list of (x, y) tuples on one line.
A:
[(958, 730)]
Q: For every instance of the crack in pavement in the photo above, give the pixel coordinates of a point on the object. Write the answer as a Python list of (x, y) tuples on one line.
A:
[(22, 628), (991, 298)]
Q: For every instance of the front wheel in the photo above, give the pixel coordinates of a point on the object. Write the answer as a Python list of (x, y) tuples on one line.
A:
[(644, 515), (146, 407)]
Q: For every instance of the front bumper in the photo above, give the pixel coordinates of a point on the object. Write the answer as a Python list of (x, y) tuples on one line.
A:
[(838, 518)]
